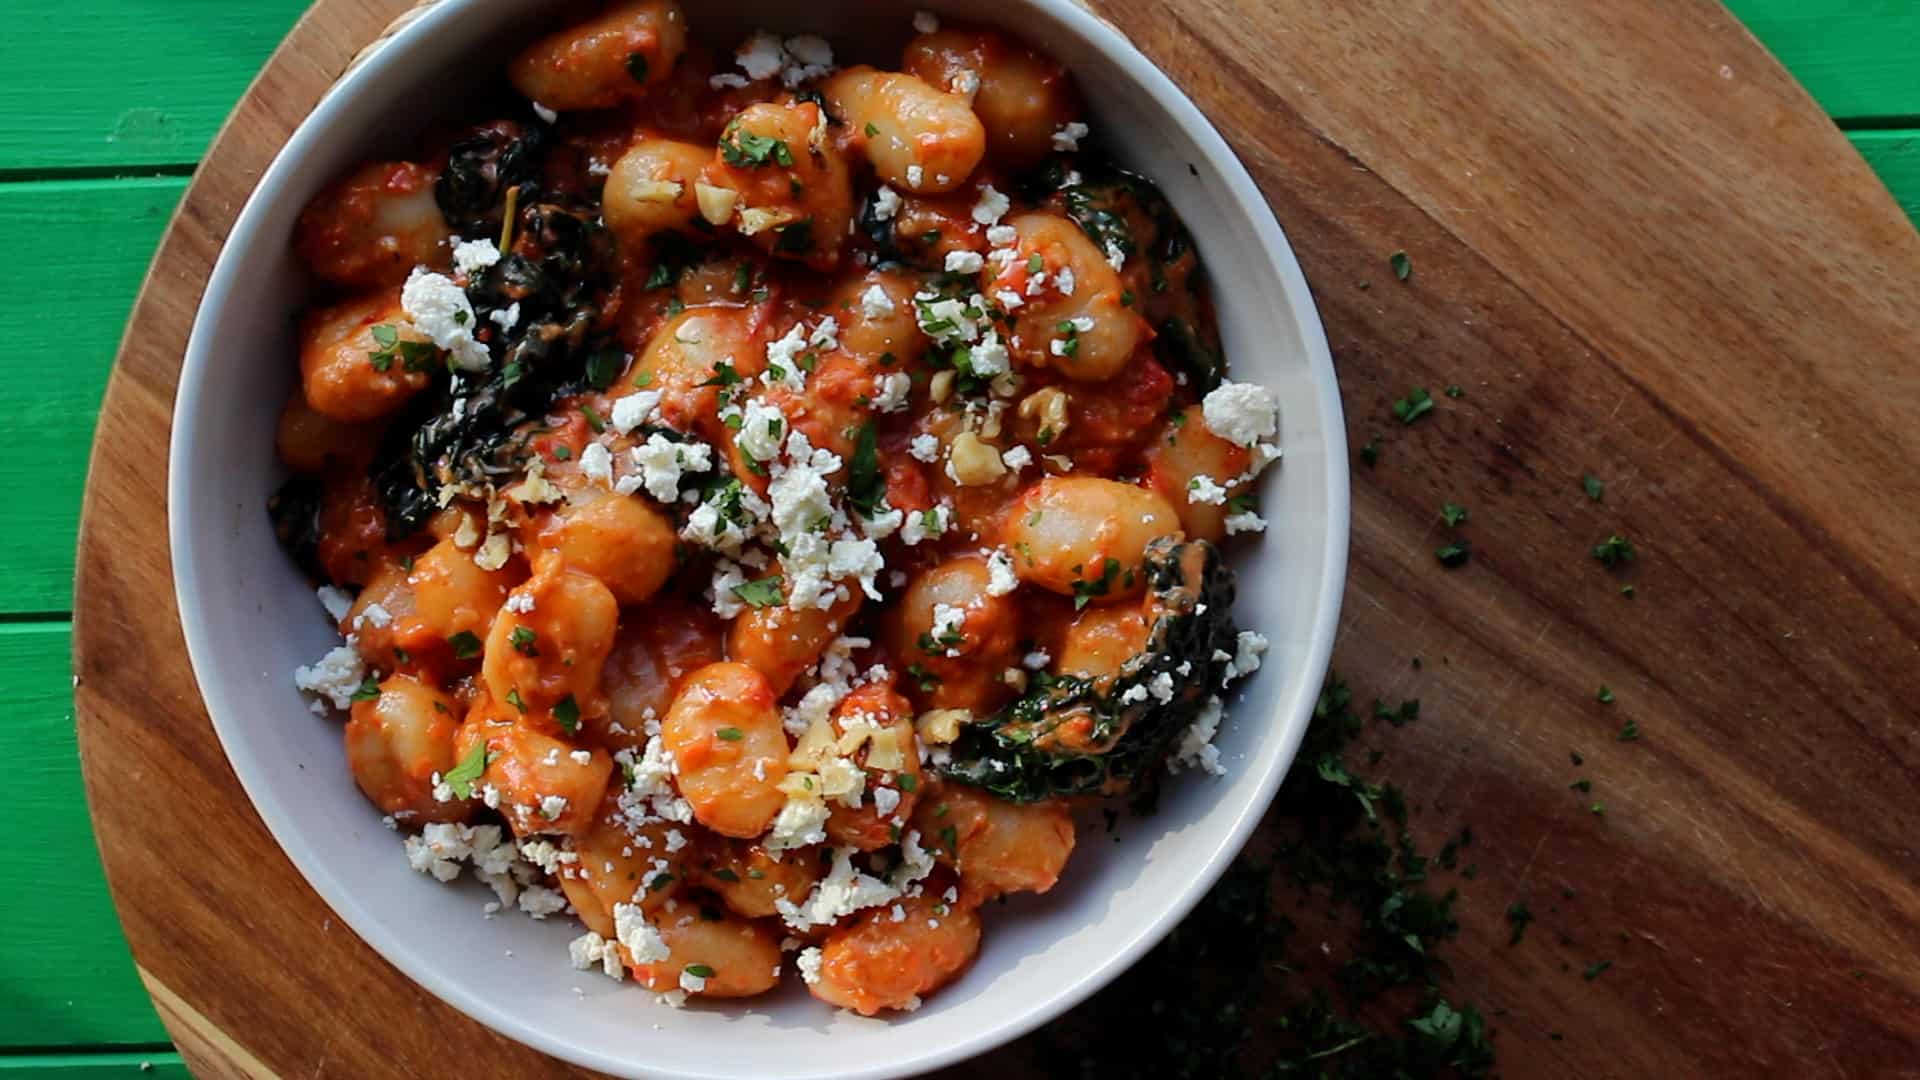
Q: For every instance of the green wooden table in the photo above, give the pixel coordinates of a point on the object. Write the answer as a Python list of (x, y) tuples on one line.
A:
[(105, 105)]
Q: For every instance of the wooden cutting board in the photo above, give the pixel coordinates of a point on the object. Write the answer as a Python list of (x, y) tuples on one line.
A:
[(1642, 253)]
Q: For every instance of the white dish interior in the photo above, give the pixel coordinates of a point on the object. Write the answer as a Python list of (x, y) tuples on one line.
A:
[(250, 617)]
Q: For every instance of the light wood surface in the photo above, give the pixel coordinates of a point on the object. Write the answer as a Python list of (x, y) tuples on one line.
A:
[(1643, 253)]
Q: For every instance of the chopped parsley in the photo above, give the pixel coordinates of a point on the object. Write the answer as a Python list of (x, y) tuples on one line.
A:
[(1629, 732), (730, 734), (1370, 453), (723, 375), (1613, 551), (762, 593), (1605, 696), (745, 150), (1414, 406), (466, 645), (567, 714), (926, 680), (1594, 971), (413, 355), (593, 418), (514, 699), (1084, 590), (1595, 488), (1518, 916), (1453, 513), (866, 488), (368, 690), (522, 639), (461, 777), (1453, 555), (1402, 265), (699, 971)]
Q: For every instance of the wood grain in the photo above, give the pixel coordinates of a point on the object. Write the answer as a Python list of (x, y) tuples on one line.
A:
[(1642, 252)]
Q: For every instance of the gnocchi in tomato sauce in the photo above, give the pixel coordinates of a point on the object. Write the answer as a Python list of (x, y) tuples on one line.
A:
[(762, 497)]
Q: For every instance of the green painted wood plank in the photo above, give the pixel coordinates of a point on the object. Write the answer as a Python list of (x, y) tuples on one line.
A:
[(65, 973), (118, 1065), (1859, 58), (80, 248), (1895, 155), (93, 83)]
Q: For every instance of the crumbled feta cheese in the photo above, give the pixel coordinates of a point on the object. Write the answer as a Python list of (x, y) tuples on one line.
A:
[(520, 603), (894, 388), (845, 890), (761, 56), (552, 806), (1161, 687), (762, 426), (989, 356), (885, 801), (808, 58), (1003, 236), (1016, 458), (691, 983), (505, 318), (1036, 660), (886, 203), (924, 22), (914, 175), (546, 115), (1195, 749), (801, 822), (1066, 283), (1241, 413), (631, 411), (925, 525), (1249, 647), (1067, 139), (439, 309), (993, 206), (966, 83), (1245, 521), (334, 677), (875, 303), (964, 262), (643, 942), (1202, 490), (949, 626), (590, 950), (336, 601), (472, 256), (809, 964), (662, 461), (596, 464), (925, 448), (1116, 256), (1001, 579), (1134, 694)]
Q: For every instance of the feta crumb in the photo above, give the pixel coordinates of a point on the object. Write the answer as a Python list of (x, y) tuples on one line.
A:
[(875, 303), (336, 601), (1241, 413), (472, 256), (633, 930), (520, 603), (966, 84), (1001, 579), (1161, 687), (546, 115), (964, 262), (1067, 139), (895, 386), (1195, 749), (439, 309), (1245, 521), (809, 964), (691, 983), (552, 806), (1003, 236), (801, 822), (1036, 660), (886, 203), (540, 901), (914, 175), (925, 448), (761, 56), (334, 677), (505, 318), (1016, 458), (1203, 489), (596, 464), (1066, 283), (633, 410), (885, 801), (993, 206), (924, 22)]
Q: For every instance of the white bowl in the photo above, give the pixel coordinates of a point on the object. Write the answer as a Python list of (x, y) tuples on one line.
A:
[(250, 618)]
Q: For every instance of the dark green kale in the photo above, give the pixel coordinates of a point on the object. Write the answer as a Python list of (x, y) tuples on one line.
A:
[(1108, 735)]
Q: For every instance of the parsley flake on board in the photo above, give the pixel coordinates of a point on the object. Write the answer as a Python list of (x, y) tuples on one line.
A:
[(1613, 551), (1402, 264), (1453, 513), (1414, 406), (1595, 487), (1453, 555), (1518, 916), (1370, 453), (1605, 696), (1629, 732)]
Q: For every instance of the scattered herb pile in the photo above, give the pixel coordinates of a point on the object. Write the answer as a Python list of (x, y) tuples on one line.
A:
[(1240, 990)]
